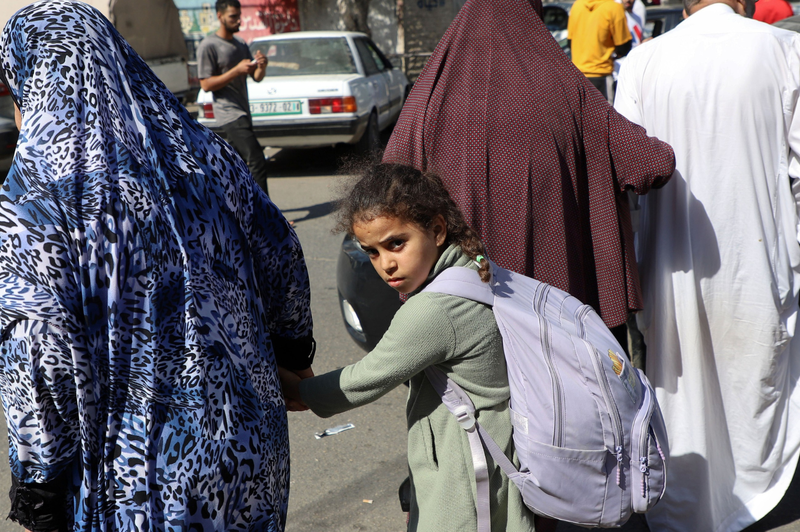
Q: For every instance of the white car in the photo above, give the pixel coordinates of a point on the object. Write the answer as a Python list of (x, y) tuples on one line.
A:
[(320, 89)]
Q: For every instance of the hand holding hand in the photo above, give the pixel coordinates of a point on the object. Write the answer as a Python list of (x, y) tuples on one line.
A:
[(290, 382), (303, 373)]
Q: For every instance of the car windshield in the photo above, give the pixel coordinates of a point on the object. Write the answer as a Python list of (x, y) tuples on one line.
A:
[(555, 18), (303, 57)]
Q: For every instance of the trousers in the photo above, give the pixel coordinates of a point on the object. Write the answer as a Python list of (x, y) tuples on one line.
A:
[(240, 135), (605, 84)]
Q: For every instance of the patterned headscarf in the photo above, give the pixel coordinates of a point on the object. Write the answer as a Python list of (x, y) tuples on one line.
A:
[(534, 156), (144, 280), (74, 77)]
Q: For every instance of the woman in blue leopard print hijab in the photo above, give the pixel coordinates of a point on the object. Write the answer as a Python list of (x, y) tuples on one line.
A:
[(148, 292)]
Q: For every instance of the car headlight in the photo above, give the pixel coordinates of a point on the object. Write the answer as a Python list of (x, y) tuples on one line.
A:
[(351, 246), (351, 317)]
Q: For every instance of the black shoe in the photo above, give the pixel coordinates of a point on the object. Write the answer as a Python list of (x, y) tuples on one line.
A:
[(405, 495)]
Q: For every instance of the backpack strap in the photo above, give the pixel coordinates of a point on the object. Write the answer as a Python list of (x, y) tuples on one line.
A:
[(462, 408), (460, 405), (462, 282)]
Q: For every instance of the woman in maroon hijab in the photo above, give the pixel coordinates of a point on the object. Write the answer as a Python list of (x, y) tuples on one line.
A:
[(533, 154)]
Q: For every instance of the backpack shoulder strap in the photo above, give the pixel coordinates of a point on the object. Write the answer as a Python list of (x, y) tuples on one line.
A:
[(464, 411), (460, 405), (462, 282)]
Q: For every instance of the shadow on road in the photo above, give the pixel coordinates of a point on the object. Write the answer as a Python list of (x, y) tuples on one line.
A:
[(301, 162), (314, 211)]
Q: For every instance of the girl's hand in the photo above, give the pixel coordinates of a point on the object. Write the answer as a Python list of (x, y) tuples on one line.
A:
[(303, 373), (290, 382)]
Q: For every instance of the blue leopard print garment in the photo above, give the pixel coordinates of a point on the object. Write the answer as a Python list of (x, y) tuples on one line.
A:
[(143, 274)]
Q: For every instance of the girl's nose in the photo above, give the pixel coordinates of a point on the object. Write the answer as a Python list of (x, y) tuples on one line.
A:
[(388, 264)]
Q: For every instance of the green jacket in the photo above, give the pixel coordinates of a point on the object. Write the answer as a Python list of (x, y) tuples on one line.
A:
[(460, 337)]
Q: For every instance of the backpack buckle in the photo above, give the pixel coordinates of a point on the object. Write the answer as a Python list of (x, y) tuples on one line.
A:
[(464, 417)]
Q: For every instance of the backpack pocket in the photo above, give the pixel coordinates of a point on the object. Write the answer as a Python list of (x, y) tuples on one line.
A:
[(648, 459), (565, 482)]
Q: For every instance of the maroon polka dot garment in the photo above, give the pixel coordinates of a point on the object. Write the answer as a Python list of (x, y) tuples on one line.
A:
[(532, 153)]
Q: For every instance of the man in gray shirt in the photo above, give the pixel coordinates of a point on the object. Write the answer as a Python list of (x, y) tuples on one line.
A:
[(224, 62)]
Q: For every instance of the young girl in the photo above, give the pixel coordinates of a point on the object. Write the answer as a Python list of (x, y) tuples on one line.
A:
[(412, 230)]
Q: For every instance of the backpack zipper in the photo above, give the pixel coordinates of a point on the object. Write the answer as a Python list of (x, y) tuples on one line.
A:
[(645, 414), (538, 298), (581, 314), (544, 326), (616, 422), (558, 430), (605, 388)]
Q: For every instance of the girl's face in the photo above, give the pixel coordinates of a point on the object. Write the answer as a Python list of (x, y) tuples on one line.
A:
[(402, 253)]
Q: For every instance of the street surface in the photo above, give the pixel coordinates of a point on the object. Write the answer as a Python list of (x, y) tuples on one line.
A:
[(348, 482)]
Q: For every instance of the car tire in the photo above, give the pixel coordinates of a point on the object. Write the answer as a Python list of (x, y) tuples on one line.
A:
[(370, 140)]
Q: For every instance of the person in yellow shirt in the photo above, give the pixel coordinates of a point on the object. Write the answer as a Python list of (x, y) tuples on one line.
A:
[(597, 30)]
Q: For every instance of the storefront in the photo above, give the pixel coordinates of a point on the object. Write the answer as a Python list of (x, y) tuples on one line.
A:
[(259, 18)]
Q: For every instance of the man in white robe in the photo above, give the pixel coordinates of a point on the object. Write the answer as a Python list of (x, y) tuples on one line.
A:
[(721, 260)]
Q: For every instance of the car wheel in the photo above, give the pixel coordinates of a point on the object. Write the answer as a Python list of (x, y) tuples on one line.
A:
[(370, 140)]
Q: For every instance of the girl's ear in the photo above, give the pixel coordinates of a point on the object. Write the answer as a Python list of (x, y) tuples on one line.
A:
[(439, 228)]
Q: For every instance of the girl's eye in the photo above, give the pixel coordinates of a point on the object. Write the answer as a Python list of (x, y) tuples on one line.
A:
[(394, 244), (369, 251)]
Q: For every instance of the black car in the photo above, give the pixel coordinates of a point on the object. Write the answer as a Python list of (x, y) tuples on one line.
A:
[(8, 130)]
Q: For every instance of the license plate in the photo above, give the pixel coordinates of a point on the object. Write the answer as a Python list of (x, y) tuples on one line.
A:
[(292, 107)]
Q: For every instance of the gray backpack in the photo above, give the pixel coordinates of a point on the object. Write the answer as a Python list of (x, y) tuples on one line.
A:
[(588, 432)]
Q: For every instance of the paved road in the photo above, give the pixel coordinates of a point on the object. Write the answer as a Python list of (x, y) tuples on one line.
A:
[(349, 482)]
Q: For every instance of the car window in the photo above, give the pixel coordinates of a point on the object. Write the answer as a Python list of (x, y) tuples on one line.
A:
[(303, 57), (661, 21), (555, 18), (653, 28), (380, 59), (370, 67)]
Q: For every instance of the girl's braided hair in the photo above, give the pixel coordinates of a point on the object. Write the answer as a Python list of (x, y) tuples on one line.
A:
[(404, 192)]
